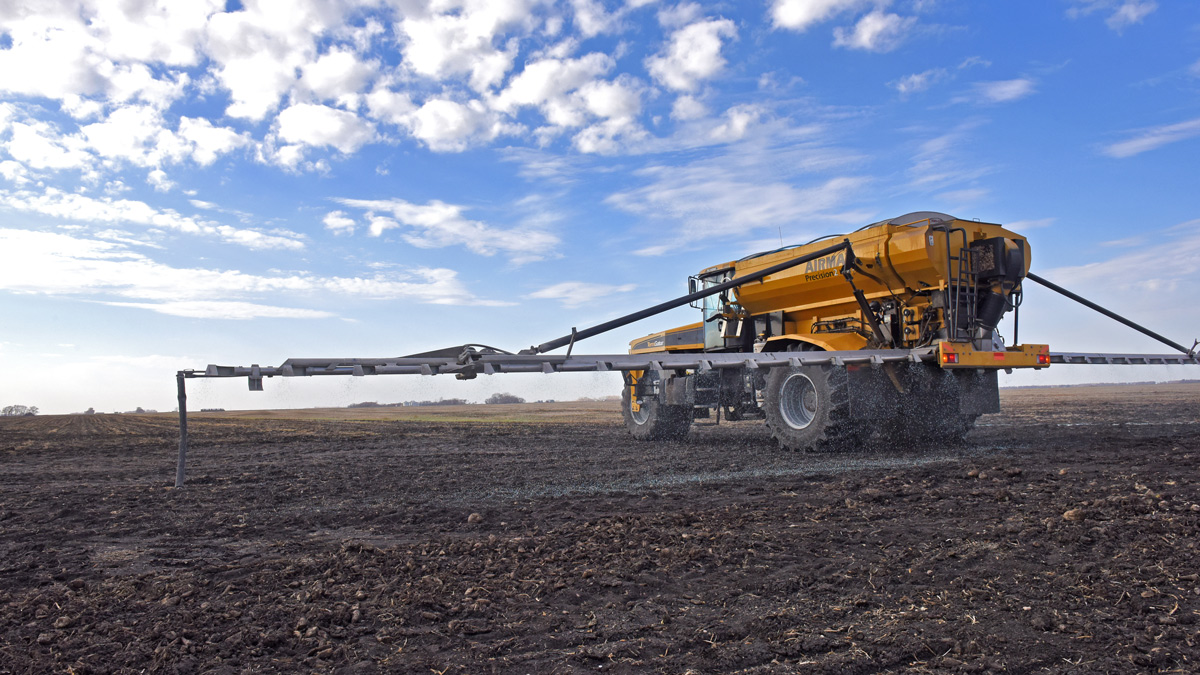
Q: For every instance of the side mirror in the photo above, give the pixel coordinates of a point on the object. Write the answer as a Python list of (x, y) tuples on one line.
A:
[(693, 285)]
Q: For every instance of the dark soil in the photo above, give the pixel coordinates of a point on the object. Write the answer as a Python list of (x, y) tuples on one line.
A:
[(1063, 539)]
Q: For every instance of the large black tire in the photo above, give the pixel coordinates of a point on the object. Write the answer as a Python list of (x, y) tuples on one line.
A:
[(655, 421), (808, 408)]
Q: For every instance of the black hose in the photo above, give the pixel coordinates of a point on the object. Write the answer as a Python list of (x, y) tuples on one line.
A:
[(1110, 314)]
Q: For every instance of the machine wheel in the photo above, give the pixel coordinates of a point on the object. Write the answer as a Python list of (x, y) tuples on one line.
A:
[(654, 421), (808, 408)]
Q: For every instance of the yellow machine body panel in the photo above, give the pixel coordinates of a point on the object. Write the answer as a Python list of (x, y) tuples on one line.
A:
[(901, 258), (689, 338), (910, 271)]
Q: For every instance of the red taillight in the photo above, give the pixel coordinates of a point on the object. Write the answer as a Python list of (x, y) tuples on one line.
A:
[(949, 357), (1043, 359)]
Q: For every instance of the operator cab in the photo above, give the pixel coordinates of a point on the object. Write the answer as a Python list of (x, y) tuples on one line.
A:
[(720, 329)]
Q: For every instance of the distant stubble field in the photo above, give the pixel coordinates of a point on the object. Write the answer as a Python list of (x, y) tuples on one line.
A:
[(541, 538)]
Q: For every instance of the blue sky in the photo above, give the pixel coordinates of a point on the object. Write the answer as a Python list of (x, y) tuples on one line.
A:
[(236, 183)]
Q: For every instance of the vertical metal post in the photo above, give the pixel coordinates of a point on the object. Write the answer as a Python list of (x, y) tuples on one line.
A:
[(1017, 320), (180, 470)]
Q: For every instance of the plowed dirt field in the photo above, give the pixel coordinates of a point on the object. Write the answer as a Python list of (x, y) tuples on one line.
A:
[(538, 539)]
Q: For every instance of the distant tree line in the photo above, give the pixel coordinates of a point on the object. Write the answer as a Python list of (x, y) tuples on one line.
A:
[(504, 398), (19, 411), (442, 401)]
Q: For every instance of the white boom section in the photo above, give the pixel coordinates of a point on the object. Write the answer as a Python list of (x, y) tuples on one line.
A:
[(470, 363)]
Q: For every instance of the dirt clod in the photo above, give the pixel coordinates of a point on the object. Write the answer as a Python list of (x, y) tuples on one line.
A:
[(1074, 515)]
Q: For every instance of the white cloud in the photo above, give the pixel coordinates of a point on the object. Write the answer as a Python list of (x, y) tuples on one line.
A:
[(1195, 69), (437, 225), (390, 106), (259, 50), (592, 19), (459, 38), (688, 108), (798, 15), (14, 172), (692, 55), (1004, 91), (316, 125), (1121, 13), (338, 76), (105, 271), (577, 293), (338, 223), (876, 31), (570, 94), (159, 180), (67, 51), (129, 133), (107, 211), (205, 142), (1154, 138), (133, 134), (735, 123), (757, 183), (940, 162), (917, 82), (224, 309), (1169, 270), (545, 83), (447, 126), (38, 145)]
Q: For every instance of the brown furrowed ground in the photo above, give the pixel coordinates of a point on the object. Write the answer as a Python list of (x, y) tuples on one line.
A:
[(542, 538)]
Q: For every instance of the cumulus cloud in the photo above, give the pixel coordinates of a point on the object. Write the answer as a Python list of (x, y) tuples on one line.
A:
[(577, 293), (570, 94), (877, 31), (692, 54), (108, 211), (338, 223), (338, 75), (105, 271), (799, 15), (317, 125), (545, 83), (38, 145), (62, 51), (259, 50), (459, 38), (688, 108), (437, 225), (449, 126), (1153, 138), (137, 135)]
